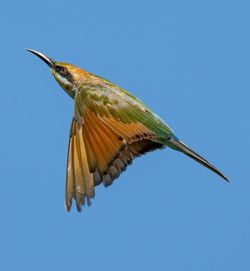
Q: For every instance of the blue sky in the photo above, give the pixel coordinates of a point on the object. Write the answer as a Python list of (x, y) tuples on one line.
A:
[(189, 61)]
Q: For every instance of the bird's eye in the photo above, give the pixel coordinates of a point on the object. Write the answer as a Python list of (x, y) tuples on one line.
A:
[(63, 70)]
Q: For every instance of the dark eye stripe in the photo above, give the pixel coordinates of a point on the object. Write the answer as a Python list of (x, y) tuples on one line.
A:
[(62, 70), (65, 73)]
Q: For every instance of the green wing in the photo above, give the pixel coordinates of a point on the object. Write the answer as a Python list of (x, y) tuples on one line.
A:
[(110, 128), (109, 100)]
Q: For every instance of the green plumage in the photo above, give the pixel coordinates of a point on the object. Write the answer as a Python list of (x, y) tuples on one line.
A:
[(110, 128), (108, 99)]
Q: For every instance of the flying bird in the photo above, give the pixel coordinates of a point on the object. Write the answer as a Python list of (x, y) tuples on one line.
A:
[(109, 129)]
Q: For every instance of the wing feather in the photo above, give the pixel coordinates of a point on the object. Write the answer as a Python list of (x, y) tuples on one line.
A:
[(79, 179), (96, 142), (92, 162), (70, 178), (79, 189), (109, 130)]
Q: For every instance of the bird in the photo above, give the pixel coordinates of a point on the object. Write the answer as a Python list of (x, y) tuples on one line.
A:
[(109, 129)]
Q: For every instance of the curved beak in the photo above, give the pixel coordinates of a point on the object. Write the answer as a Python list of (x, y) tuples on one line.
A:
[(44, 58)]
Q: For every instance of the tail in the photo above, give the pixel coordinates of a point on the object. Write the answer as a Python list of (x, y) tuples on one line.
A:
[(176, 144)]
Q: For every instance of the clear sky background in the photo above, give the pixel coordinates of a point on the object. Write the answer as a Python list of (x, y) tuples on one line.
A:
[(190, 62)]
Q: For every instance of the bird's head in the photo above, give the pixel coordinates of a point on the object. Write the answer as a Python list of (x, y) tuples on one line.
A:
[(68, 76)]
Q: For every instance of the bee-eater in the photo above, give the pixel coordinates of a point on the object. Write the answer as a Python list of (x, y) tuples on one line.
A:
[(109, 129)]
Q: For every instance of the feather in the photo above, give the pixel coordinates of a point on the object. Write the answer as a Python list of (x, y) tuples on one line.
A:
[(70, 179)]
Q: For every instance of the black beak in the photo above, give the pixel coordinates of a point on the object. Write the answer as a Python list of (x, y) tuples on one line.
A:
[(44, 58)]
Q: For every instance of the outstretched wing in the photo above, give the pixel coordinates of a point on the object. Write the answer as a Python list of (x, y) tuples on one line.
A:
[(110, 128)]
